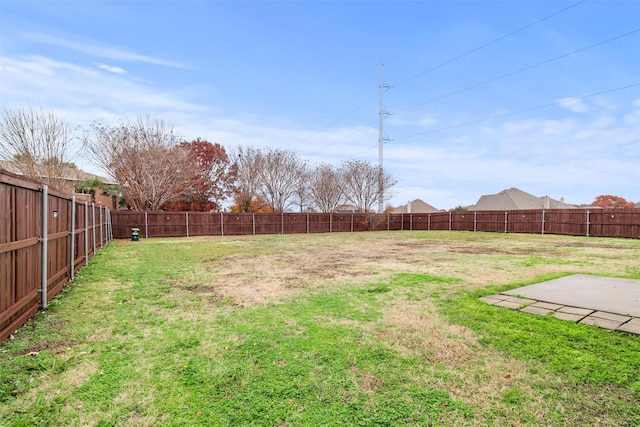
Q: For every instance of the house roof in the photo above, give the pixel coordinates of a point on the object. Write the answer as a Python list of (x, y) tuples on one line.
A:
[(415, 206), (514, 199), (71, 174)]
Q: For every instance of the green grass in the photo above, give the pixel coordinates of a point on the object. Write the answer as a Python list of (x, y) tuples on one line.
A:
[(170, 332)]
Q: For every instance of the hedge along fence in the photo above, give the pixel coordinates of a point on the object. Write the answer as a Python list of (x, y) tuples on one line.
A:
[(577, 222), (45, 238)]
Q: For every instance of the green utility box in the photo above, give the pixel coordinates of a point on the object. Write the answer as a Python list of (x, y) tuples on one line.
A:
[(135, 234)]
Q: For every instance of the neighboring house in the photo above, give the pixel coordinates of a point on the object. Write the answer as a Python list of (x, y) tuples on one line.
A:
[(415, 206), (69, 182), (514, 199), (347, 209)]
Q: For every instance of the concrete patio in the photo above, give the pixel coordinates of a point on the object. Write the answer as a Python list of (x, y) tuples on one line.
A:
[(606, 302)]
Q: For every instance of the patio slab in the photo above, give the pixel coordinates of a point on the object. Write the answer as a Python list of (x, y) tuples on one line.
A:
[(598, 293), (606, 302)]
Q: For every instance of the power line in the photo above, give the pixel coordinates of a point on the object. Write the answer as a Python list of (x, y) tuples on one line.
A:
[(433, 69), (338, 119), (489, 43), (476, 85), (513, 113)]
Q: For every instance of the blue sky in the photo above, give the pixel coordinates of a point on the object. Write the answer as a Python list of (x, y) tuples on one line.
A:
[(465, 81)]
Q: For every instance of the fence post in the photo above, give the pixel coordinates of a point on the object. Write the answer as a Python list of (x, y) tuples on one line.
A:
[(589, 223), (101, 235), (543, 221), (109, 226), (505, 221), (93, 226), (475, 221), (72, 244), (253, 223), (222, 223), (282, 223), (352, 214), (86, 233), (43, 240), (450, 215), (330, 223), (187, 222), (410, 222), (307, 222), (146, 226), (428, 222)]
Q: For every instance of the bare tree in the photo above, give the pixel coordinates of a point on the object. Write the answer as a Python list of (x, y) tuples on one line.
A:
[(247, 164), (144, 157), (325, 188), (280, 177), (363, 182), (37, 144)]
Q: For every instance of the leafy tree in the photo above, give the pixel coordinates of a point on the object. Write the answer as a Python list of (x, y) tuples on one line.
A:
[(460, 208), (37, 144), (612, 202), (145, 158), (89, 186), (213, 177), (242, 203)]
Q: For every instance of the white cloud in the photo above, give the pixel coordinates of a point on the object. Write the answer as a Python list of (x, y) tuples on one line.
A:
[(93, 48), (572, 104), (110, 68)]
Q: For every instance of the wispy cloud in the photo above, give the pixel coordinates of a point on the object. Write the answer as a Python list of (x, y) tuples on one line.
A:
[(575, 105), (97, 49), (110, 68)]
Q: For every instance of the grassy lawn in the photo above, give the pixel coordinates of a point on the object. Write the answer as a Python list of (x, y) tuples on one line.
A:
[(336, 329)]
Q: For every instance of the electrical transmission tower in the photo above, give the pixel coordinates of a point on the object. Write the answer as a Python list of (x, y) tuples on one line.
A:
[(381, 139)]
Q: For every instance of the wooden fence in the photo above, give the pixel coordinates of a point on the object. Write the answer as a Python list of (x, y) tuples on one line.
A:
[(45, 238), (577, 222)]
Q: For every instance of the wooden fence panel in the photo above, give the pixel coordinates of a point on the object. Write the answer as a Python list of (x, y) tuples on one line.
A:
[(571, 222), (22, 246), (489, 221), (526, 221), (615, 223), (462, 221), (319, 223), (295, 223)]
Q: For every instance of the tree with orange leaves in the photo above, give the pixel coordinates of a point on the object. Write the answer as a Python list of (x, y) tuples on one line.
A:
[(608, 201), (213, 177), (242, 202)]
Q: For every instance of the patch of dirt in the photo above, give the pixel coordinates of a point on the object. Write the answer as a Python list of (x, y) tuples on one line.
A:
[(54, 347)]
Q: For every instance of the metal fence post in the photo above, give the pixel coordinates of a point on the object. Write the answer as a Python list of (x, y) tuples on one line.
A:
[(428, 222), (450, 218), (282, 224), (352, 214), (543, 221), (72, 244), (475, 221), (330, 223), (410, 222), (86, 233), (505, 221), (307, 222), (43, 240), (93, 226), (146, 225), (253, 223), (101, 235), (187, 222), (588, 222), (222, 223)]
